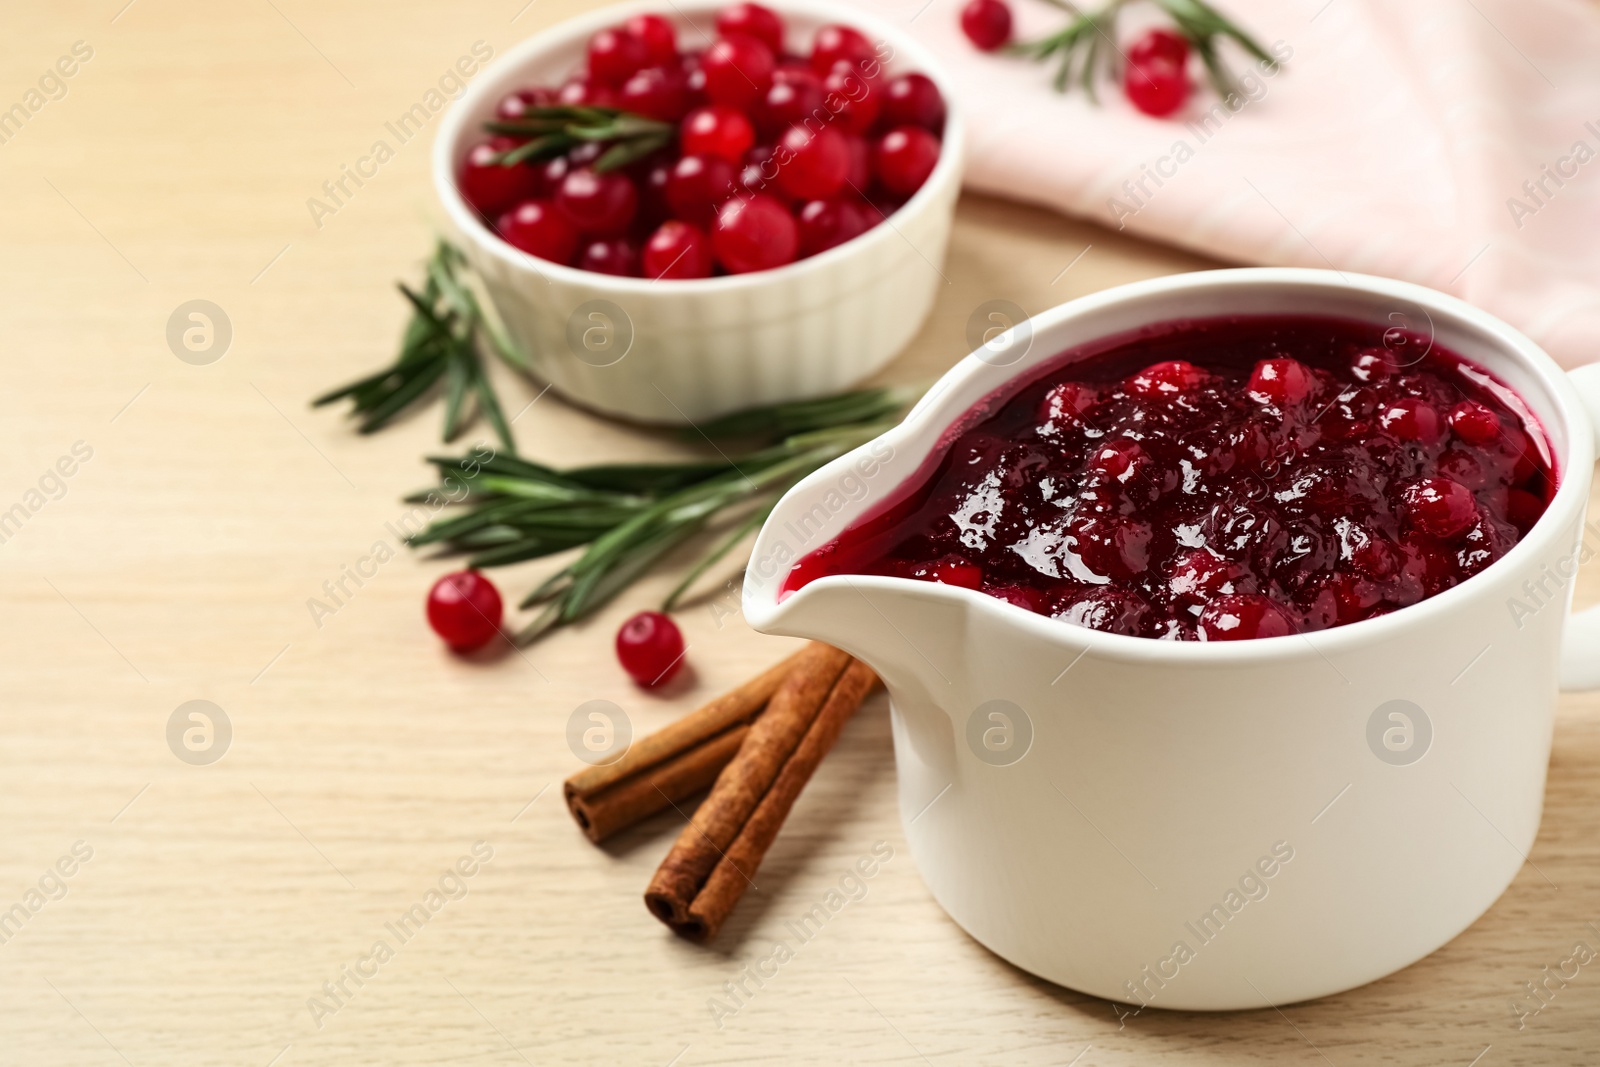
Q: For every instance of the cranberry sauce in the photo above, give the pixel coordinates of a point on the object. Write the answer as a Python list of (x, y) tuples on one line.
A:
[(1220, 479)]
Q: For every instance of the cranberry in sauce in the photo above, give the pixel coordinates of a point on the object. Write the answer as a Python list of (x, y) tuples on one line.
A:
[(1220, 479)]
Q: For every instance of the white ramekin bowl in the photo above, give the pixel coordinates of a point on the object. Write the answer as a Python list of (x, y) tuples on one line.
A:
[(678, 352)]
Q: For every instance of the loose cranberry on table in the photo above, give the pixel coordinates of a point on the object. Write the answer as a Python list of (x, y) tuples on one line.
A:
[(1220, 480), (464, 609), (1155, 78), (987, 24), (650, 648)]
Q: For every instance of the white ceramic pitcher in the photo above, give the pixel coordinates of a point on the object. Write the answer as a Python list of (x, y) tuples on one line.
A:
[(1222, 825)]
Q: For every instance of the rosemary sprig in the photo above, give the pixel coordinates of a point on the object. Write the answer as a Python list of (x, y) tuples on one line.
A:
[(555, 131), (1087, 45), (631, 516), (443, 340)]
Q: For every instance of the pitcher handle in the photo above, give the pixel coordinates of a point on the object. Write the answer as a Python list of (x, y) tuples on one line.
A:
[(1580, 641)]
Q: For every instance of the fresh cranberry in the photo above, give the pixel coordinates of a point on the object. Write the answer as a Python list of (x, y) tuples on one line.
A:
[(813, 164), (464, 609), (598, 204), (834, 43), (537, 228), (1244, 617), (913, 100), (759, 174), (1281, 382), (1169, 378), (650, 648), (859, 175), (1438, 507), (753, 20), (987, 24), (697, 187), (518, 103), (587, 92), (614, 54), (656, 35), (787, 103), (754, 234), (653, 206), (738, 70), (490, 187), (904, 158), (795, 72), (1474, 423), (1157, 88), (716, 130), (826, 223), (660, 93), (852, 99), (1410, 419), (677, 250), (610, 255), (1159, 46)]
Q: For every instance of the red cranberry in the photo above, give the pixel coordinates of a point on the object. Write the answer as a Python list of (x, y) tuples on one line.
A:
[(754, 234), (677, 250), (660, 93), (759, 174), (738, 70), (1197, 577), (913, 100), (788, 103), (716, 130), (852, 99), (1411, 419), (1474, 423), (904, 158), (834, 43), (1156, 88), (1523, 509), (587, 92), (653, 206), (1110, 610), (656, 35), (537, 228), (1281, 382), (610, 255), (1438, 507), (1243, 617), (1020, 595), (1160, 46), (598, 204), (859, 176), (1167, 379), (824, 224), (1373, 365), (753, 20), (489, 187), (1112, 546), (464, 609), (987, 24), (816, 163), (650, 648), (517, 104), (1065, 404), (614, 54), (697, 187), (794, 72)]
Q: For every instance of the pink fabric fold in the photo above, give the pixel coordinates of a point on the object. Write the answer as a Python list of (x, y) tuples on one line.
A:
[(1454, 143)]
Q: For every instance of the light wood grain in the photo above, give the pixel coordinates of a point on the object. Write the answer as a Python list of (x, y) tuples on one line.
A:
[(365, 760)]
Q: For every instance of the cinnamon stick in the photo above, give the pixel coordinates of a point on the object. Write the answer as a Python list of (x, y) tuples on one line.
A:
[(672, 764), (717, 855)]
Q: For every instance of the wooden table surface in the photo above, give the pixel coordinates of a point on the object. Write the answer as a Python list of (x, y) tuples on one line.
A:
[(207, 906)]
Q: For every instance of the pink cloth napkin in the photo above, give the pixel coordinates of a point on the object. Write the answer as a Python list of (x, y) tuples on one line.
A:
[(1454, 143)]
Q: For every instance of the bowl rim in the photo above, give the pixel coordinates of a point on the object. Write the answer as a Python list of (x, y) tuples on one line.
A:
[(453, 129), (763, 607)]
